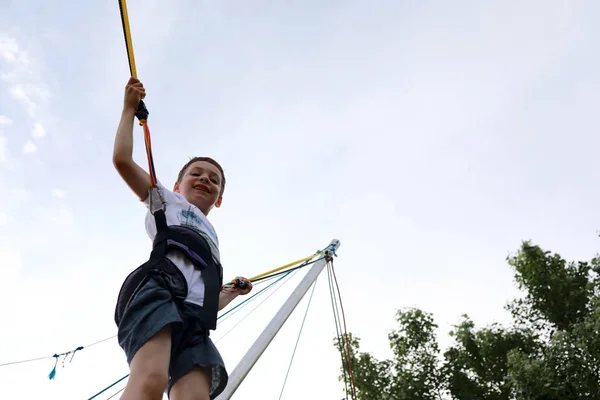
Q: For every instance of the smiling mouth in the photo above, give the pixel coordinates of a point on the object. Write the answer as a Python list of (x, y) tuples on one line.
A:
[(201, 189)]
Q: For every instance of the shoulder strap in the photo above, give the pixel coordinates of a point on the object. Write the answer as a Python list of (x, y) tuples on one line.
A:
[(161, 220)]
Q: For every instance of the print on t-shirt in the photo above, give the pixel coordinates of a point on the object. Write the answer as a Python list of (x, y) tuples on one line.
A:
[(190, 219)]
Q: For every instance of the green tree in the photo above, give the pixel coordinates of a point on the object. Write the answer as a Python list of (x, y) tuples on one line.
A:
[(476, 364), (373, 379), (557, 293), (414, 372), (551, 351), (564, 298)]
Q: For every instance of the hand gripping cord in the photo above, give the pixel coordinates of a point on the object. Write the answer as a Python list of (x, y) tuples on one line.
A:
[(142, 112)]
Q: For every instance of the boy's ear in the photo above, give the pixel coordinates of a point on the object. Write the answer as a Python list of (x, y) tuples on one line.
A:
[(218, 203), (176, 187)]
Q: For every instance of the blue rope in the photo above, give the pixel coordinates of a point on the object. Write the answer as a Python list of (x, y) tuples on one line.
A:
[(106, 388), (253, 296)]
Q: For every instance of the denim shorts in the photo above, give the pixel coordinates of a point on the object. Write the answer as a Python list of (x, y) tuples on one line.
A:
[(151, 309)]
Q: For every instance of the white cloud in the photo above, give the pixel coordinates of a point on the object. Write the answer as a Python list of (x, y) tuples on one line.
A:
[(38, 130), (20, 93), (9, 49), (18, 194), (61, 215), (21, 75), (4, 120), (29, 147), (3, 218), (3, 150), (58, 194), (11, 264)]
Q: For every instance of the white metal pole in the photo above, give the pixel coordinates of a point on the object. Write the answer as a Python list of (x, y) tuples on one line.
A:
[(262, 342)]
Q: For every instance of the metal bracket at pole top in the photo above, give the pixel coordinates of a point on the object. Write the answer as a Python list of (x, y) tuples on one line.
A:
[(330, 250), (328, 255)]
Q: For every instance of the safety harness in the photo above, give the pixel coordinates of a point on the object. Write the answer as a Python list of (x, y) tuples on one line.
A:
[(199, 319)]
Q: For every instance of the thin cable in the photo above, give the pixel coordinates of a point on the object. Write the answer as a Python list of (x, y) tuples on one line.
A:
[(57, 355), (342, 340), (263, 281), (115, 394), (245, 302), (298, 339), (287, 270), (337, 330), (266, 277), (99, 341), (305, 261), (26, 361), (286, 266), (345, 332), (259, 304)]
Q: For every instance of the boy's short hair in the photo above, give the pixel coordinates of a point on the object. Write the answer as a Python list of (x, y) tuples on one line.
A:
[(207, 159)]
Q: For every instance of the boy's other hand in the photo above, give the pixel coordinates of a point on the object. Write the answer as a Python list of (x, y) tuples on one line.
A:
[(246, 285), (134, 92)]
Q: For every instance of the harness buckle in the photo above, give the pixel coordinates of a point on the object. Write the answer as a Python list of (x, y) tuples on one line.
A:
[(160, 199)]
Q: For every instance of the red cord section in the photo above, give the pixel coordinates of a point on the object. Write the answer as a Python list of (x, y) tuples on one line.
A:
[(148, 142)]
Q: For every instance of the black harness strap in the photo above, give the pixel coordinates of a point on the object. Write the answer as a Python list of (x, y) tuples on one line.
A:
[(202, 318)]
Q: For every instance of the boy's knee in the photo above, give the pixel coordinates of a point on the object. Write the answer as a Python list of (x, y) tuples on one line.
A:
[(152, 384), (150, 367)]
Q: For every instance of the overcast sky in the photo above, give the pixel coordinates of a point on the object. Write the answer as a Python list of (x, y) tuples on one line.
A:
[(429, 137)]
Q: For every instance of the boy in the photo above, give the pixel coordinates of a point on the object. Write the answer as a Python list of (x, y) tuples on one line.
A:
[(167, 306)]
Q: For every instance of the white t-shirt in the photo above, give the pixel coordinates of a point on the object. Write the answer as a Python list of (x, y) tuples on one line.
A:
[(179, 211)]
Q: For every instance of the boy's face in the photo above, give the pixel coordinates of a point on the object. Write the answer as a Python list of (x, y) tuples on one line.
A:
[(201, 186)]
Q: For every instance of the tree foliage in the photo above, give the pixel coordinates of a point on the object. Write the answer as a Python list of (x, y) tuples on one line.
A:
[(551, 351)]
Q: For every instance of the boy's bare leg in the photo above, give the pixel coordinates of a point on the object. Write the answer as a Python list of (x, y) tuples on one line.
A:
[(150, 368), (195, 385)]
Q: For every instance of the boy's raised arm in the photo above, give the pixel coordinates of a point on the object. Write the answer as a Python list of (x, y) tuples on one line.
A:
[(135, 177)]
